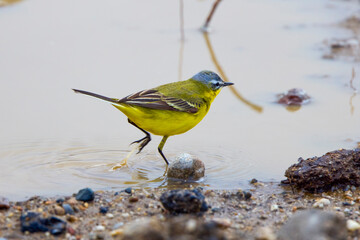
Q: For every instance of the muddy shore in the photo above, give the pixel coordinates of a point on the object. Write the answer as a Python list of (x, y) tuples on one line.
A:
[(112, 215)]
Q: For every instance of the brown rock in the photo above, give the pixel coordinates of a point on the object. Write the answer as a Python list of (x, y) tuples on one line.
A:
[(72, 201), (59, 210), (133, 199), (334, 169), (295, 96)]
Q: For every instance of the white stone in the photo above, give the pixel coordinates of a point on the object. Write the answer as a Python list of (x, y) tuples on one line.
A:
[(99, 228), (352, 225), (265, 233), (274, 207), (191, 225), (321, 203)]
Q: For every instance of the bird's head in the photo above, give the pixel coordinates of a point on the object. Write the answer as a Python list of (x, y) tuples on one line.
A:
[(211, 80)]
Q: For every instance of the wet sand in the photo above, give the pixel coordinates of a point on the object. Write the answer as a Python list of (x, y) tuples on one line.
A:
[(269, 207)]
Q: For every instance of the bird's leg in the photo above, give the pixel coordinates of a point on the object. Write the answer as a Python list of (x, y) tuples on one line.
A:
[(160, 147), (145, 140)]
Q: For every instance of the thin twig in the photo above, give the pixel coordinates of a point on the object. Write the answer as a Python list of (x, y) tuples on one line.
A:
[(352, 80), (208, 19)]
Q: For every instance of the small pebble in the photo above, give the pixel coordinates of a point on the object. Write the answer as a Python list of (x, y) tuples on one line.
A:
[(85, 195), (99, 228), (254, 180), (72, 201), (247, 195), (274, 208), (59, 210), (98, 232), (109, 215), (117, 232), (71, 218), (191, 225), (321, 203), (71, 230), (352, 225), (128, 190), (222, 222), (60, 200), (68, 209), (215, 209), (133, 199), (32, 222), (265, 233), (103, 209), (118, 225), (347, 211), (4, 203)]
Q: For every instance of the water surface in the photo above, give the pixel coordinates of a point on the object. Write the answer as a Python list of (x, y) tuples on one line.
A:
[(54, 141)]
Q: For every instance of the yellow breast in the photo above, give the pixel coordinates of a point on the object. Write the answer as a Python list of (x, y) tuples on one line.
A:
[(163, 122)]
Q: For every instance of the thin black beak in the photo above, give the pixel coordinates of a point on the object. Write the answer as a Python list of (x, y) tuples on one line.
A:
[(227, 84)]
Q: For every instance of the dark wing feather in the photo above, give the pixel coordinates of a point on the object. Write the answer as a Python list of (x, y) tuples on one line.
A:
[(155, 100)]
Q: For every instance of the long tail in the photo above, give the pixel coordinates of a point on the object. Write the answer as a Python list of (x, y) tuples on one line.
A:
[(97, 96)]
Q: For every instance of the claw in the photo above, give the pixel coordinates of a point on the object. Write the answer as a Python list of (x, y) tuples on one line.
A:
[(144, 142), (138, 141)]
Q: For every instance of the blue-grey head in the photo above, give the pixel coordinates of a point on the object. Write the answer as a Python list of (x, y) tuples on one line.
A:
[(211, 80)]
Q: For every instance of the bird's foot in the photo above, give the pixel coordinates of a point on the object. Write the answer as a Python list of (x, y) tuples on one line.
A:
[(143, 142), (138, 141)]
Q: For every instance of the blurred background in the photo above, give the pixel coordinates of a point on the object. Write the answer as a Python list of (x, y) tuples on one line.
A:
[(53, 141)]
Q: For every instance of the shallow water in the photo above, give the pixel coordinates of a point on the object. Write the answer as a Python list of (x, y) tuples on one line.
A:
[(54, 141)]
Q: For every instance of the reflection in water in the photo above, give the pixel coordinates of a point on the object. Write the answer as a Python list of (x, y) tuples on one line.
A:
[(182, 39), (181, 58), (293, 108), (8, 2), (62, 168), (352, 109), (224, 77)]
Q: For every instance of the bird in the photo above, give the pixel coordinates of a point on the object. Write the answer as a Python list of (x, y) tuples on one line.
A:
[(169, 109)]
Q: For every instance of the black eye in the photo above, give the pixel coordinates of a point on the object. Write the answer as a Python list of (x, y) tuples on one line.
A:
[(217, 84)]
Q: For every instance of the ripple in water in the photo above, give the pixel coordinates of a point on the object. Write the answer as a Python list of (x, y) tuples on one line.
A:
[(54, 168)]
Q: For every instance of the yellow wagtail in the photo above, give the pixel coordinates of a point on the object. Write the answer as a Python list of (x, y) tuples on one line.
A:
[(169, 109)]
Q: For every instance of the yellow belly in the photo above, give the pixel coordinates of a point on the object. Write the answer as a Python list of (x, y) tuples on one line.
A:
[(162, 122)]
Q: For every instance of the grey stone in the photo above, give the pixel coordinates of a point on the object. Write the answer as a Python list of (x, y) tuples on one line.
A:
[(85, 195), (144, 229), (314, 224), (186, 167)]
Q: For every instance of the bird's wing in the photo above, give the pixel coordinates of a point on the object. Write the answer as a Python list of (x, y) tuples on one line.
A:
[(155, 100)]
